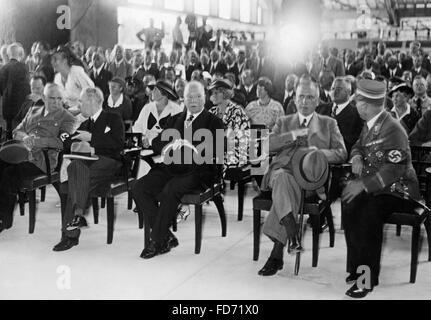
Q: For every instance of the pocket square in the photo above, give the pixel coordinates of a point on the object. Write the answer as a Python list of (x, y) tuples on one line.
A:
[(107, 129)]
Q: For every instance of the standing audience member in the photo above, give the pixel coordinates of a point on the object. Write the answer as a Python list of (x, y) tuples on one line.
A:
[(71, 78), (99, 75), (14, 86), (118, 66), (43, 58)]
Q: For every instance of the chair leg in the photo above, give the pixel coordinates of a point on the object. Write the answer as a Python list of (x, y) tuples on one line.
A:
[(198, 228), (330, 221), (129, 201), (95, 202), (256, 233), (103, 203), (42, 194), (111, 219), (218, 201), (427, 224), (315, 222), (241, 196), (398, 230), (141, 219), (32, 205), (21, 202), (415, 253)]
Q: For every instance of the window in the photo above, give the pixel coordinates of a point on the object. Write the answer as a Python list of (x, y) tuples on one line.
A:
[(177, 5), (259, 15), (245, 11), (202, 7), (142, 2), (225, 9)]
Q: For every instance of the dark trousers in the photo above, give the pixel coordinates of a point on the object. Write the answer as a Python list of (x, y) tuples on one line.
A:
[(9, 128), (158, 195), (363, 220), (11, 177), (83, 178)]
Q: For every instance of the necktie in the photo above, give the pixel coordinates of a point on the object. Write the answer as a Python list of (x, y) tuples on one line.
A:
[(91, 125), (304, 124), (334, 111), (189, 121), (419, 106)]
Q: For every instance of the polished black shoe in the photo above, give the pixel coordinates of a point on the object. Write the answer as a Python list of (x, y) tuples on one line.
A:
[(66, 244), (78, 222), (170, 243), (357, 293), (351, 278), (151, 251), (271, 267)]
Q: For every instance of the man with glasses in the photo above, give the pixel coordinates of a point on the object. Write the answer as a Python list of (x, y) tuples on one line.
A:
[(306, 128), (158, 194), (41, 128)]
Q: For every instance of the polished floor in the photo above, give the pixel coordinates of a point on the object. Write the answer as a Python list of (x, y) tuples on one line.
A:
[(223, 270)]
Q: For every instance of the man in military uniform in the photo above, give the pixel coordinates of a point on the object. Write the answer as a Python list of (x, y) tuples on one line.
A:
[(381, 161)]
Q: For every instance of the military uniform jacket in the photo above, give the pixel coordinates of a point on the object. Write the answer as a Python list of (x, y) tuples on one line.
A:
[(387, 159), (47, 130)]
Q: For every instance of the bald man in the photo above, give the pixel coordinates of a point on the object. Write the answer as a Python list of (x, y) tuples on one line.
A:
[(14, 86)]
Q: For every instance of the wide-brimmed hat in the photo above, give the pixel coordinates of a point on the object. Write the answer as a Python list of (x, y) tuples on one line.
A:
[(165, 89), (220, 83), (81, 151), (402, 87), (14, 152), (310, 168)]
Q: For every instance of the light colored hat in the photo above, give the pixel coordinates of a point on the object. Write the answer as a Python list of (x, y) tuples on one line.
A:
[(81, 151), (310, 168), (371, 89)]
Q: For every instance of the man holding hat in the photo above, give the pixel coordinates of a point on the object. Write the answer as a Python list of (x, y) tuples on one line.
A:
[(402, 110), (304, 129), (97, 160), (381, 161), (41, 128), (153, 117), (117, 101)]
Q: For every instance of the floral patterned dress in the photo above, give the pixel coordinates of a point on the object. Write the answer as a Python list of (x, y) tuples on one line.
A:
[(266, 115), (237, 123)]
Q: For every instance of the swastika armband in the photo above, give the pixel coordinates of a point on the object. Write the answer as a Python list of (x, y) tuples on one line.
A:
[(396, 156)]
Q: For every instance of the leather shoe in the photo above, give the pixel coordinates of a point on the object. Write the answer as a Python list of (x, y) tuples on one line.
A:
[(78, 222), (66, 244), (151, 251), (357, 293), (351, 278), (271, 267), (170, 243)]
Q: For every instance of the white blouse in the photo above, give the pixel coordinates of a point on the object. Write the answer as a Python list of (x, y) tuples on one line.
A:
[(148, 122), (75, 82)]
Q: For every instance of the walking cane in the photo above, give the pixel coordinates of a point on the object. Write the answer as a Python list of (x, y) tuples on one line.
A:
[(301, 226)]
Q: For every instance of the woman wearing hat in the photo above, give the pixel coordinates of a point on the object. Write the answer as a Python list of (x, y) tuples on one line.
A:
[(117, 101), (264, 110), (236, 122), (71, 77), (154, 115), (402, 110)]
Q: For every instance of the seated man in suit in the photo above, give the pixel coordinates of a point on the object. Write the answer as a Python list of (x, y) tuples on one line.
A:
[(41, 128), (321, 133), (248, 87), (159, 193), (99, 75), (344, 111), (104, 132), (382, 164)]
